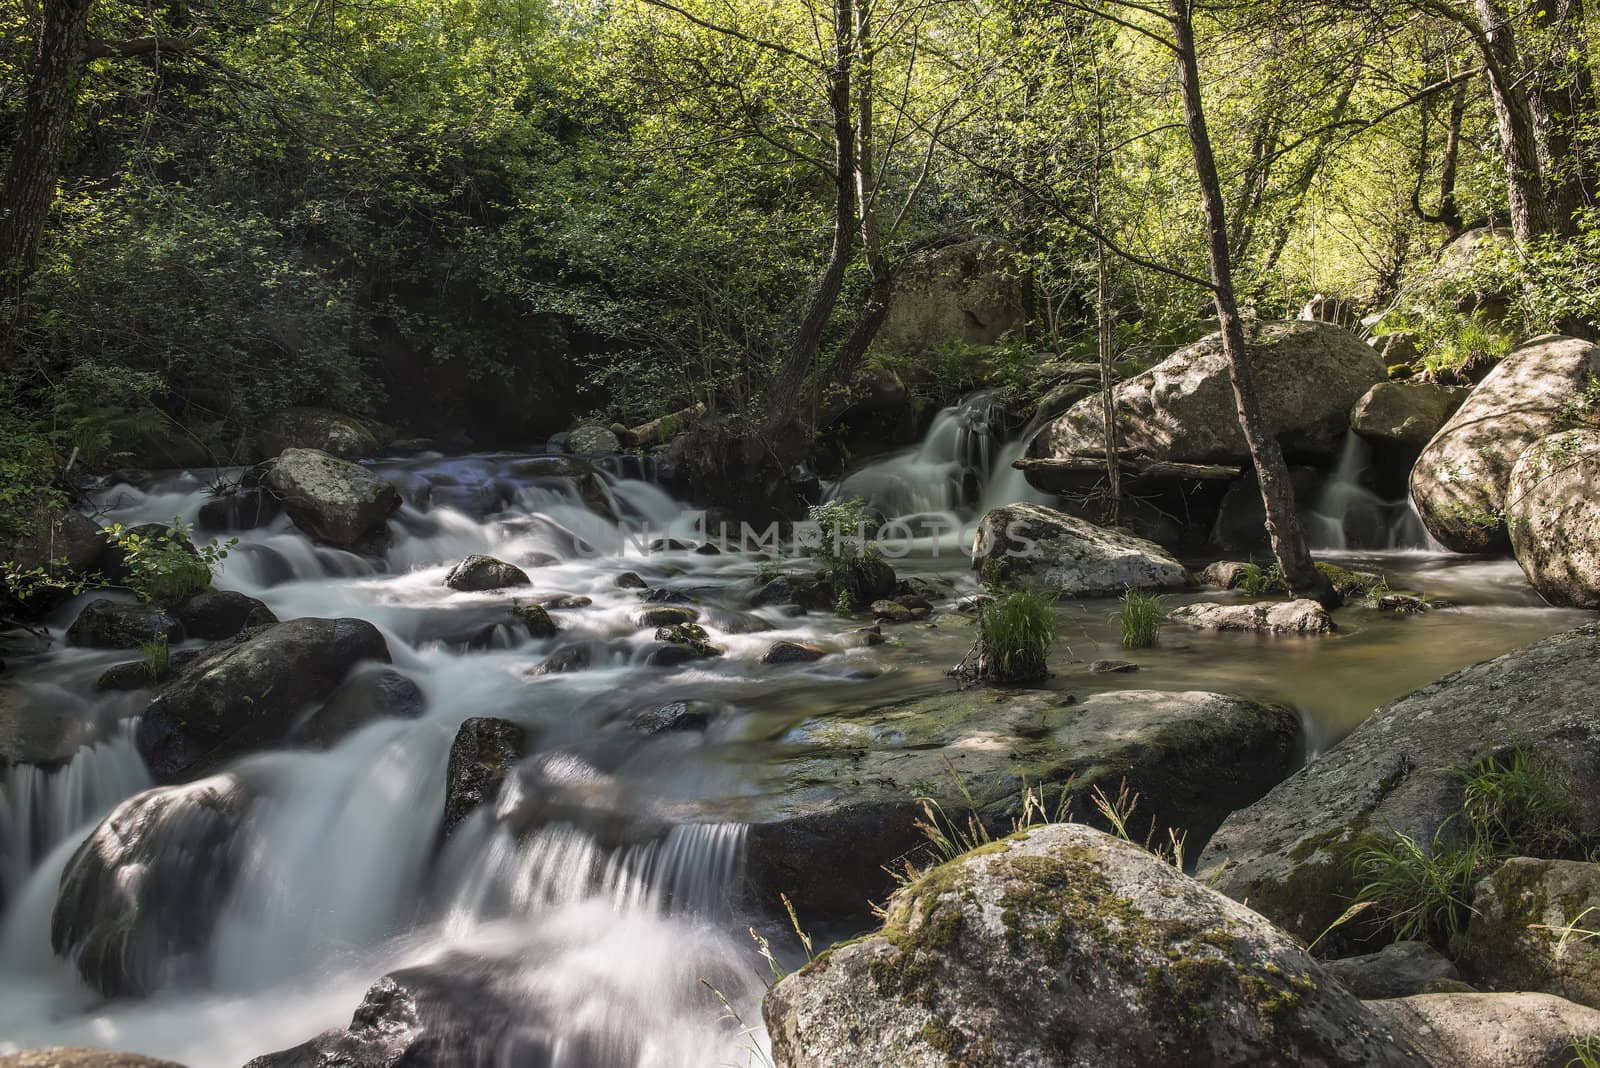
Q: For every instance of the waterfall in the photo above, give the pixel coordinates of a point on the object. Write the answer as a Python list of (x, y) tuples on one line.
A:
[(1350, 515)]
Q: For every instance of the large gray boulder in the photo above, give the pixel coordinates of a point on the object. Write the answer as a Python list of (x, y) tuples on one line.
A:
[(1063, 946), (1266, 617), (1526, 929), (326, 431), (1491, 1030), (1460, 482), (1307, 377), (837, 802), (1407, 414), (1031, 545), (1290, 854), (1553, 516), (251, 692), (970, 293), (139, 898), (478, 573), (333, 500)]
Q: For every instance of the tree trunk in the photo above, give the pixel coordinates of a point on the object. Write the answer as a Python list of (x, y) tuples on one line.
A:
[(1449, 213), (30, 186), (1108, 401), (1561, 94), (1519, 141), (1277, 493)]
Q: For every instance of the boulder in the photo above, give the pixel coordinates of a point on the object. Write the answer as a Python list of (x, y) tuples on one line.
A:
[(484, 752), (1460, 482), (566, 659), (1307, 377), (593, 438), (1397, 347), (1064, 946), (840, 803), (895, 612), (665, 616), (1553, 516), (1290, 854), (1267, 617), (108, 624), (1467, 270), (630, 580), (536, 620), (217, 614), (792, 653), (243, 509), (251, 692), (40, 732), (1405, 413), (333, 500), (139, 898), (970, 293), (1491, 1030), (58, 543), (1224, 574), (677, 716), (478, 573), (1241, 517), (1396, 971), (1525, 930), (368, 695), (1036, 546), (316, 428), (81, 1057)]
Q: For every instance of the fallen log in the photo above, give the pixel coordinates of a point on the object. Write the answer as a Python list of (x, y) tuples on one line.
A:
[(662, 428), (1132, 467)]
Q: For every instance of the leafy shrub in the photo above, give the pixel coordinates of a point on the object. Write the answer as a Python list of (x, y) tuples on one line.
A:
[(1140, 618), (1015, 633), (167, 568), (1257, 581), (851, 565)]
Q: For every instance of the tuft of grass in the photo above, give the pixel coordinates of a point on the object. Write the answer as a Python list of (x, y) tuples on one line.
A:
[(1140, 618), (1585, 1052), (1418, 893), (1467, 345), (1256, 581), (157, 658), (1015, 633), (1525, 803)]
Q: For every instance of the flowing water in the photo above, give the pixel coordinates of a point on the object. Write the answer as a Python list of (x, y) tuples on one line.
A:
[(607, 920)]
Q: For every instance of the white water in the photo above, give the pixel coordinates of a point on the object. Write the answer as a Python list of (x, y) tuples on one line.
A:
[(1349, 515)]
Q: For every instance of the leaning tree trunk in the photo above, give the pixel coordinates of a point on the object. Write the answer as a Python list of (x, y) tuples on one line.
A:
[(1277, 493), (30, 186), (1519, 140)]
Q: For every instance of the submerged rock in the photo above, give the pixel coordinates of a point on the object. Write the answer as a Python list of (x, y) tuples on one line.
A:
[(1395, 971), (840, 802), (677, 716), (1522, 934), (1029, 544), (1491, 1030), (368, 695), (479, 573), (1461, 481), (251, 693), (333, 500), (484, 752), (1268, 617), (1553, 515), (1290, 854), (566, 659), (666, 616), (1062, 945), (140, 897), (786, 652), (108, 624)]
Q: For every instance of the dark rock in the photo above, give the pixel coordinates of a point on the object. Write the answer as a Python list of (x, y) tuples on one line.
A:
[(243, 509), (665, 616), (565, 602), (251, 692), (630, 580), (669, 655), (677, 716), (479, 573), (568, 658), (135, 674), (1112, 667), (792, 653), (537, 620), (484, 752), (217, 614), (369, 694), (108, 624), (663, 595), (1395, 971)]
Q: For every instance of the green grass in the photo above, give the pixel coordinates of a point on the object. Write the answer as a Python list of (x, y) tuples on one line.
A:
[(1015, 633), (1140, 618), (1526, 804), (1257, 581), (1468, 343), (1418, 893), (157, 658), (1585, 1052)]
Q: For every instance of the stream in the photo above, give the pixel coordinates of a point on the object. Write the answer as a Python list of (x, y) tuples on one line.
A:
[(610, 935)]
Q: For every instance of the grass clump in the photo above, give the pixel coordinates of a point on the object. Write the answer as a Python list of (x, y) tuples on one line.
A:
[(1015, 633), (1525, 803), (156, 656), (1258, 581), (1140, 618), (1419, 893)]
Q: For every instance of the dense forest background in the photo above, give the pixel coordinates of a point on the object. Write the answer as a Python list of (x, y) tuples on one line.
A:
[(481, 221)]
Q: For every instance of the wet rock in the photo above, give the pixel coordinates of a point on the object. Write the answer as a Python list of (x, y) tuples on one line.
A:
[(671, 545), (1395, 971), (478, 573), (665, 616), (81, 1057), (1241, 520), (140, 897), (803, 590), (841, 804), (136, 674), (565, 602), (332, 500), (1112, 667), (39, 732), (1034, 545), (108, 624), (669, 655), (1461, 481), (485, 751), (1491, 1030), (895, 612), (1290, 854), (251, 693), (785, 652), (317, 428), (1402, 604), (1308, 375), (592, 438), (1405, 413), (567, 659), (58, 543), (1064, 945), (368, 695), (862, 637), (1553, 515), (217, 614), (971, 606), (1267, 617), (970, 292), (1516, 938), (536, 618), (692, 637), (1224, 574), (677, 716), (663, 595), (630, 580)]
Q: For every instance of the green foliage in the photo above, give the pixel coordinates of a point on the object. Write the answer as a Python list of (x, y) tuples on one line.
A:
[(1140, 618), (1585, 1052), (1257, 581), (156, 656), (167, 568), (1420, 893), (1015, 632), (1525, 803), (851, 564)]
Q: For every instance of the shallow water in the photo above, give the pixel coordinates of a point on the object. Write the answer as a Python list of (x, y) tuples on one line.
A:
[(609, 932)]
